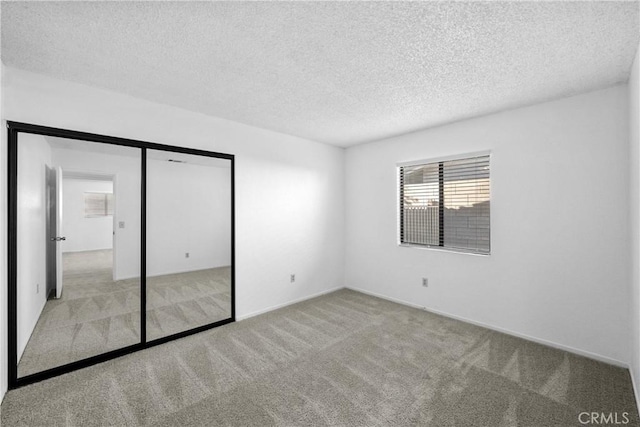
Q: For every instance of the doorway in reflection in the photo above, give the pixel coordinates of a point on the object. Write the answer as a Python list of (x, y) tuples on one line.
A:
[(78, 238)]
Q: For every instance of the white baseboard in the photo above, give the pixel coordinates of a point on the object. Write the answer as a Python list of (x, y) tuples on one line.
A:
[(570, 349), (295, 301), (189, 270), (85, 250), (186, 270)]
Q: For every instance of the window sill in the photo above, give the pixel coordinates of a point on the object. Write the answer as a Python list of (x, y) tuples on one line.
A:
[(441, 249)]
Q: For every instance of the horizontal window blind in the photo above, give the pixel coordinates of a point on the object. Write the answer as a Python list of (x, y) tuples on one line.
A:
[(446, 204), (98, 204)]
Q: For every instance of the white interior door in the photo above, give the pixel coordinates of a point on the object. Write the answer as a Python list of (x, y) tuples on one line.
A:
[(59, 265)]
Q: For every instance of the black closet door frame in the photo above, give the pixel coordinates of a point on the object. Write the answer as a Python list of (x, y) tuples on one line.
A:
[(14, 128)]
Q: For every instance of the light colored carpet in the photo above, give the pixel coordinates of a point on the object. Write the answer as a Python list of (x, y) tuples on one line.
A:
[(96, 314), (343, 359), (178, 302)]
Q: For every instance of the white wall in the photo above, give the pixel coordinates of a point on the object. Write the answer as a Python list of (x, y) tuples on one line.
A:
[(558, 269), (82, 233), (125, 167), (188, 211), (634, 199), (34, 155), (289, 191)]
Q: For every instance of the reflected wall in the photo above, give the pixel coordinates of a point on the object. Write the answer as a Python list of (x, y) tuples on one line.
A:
[(188, 242)]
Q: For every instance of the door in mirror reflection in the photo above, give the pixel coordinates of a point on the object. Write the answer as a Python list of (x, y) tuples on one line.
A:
[(78, 250), (188, 242)]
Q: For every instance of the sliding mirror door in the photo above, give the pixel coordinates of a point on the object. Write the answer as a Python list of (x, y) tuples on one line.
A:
[(78, 219), (189, 242), (114, 245)]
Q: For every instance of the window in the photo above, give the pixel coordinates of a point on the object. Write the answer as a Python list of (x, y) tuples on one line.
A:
[(98, 204), (446, 204)]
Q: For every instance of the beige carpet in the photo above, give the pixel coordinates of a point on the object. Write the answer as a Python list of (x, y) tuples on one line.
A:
[(96, 314), (343, 359)]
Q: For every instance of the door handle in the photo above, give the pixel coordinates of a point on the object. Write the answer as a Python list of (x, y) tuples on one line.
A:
[(57, 239)]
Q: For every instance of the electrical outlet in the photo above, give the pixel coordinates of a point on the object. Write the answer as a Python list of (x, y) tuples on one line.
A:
[(186, 254), (293, 278), (425, 282)]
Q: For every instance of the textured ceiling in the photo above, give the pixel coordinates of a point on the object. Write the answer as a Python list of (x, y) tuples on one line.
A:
[(336, 72)]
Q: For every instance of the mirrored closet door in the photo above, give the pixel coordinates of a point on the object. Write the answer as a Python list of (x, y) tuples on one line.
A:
[(78, 246), (188, 242), (114, 245)]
